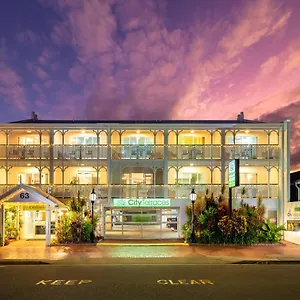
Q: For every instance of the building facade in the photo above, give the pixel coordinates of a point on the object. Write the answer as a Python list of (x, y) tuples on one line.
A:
[(144, 171)]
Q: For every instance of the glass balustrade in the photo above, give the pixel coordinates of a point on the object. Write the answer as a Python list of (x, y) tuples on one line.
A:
[(137, 152), (74, 152), (252, 152), (154, 191)]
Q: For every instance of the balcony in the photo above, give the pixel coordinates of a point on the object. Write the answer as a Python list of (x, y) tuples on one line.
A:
[(252, 151), (78, 152), (194, 152), (25, 152), (137, 152), (154, 191)]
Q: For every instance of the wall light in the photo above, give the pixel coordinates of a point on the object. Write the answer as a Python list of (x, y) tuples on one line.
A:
[(28, 165), (29, 131), (247, 131), (138, 131)]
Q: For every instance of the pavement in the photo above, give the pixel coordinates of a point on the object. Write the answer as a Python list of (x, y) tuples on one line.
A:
[(36, 252), (209, 282)]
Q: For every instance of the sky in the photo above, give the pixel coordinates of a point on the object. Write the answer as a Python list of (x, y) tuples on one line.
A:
[(151, 59)]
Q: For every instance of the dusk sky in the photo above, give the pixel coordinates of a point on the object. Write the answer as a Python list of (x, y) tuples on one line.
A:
[(151, 59)]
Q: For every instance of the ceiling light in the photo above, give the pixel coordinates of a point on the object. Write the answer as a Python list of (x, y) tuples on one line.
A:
[(83, 131), (29, 131), (192, 131), (82, 164), (191, 165), (137, 131), (28, 165), (247, 131)]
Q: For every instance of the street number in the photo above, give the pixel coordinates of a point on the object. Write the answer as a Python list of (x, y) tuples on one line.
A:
[(24, 195)]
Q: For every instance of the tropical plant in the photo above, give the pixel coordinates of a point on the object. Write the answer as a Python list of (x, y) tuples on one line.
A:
[(270, 232)]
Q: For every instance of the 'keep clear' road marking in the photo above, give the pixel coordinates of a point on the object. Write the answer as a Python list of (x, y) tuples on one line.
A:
[(63, 282), (185, 282)]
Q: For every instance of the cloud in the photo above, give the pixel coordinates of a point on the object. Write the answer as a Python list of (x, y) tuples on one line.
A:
[(11, 87), (27, 37), (259, 19), (289, 112)]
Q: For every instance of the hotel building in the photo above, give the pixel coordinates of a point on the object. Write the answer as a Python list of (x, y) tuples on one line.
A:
[(142, 171)]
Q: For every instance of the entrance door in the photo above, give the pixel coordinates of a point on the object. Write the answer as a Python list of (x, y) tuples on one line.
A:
[(142, 223)]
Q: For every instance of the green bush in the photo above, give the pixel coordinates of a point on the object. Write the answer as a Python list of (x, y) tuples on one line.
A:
[(247, 225)]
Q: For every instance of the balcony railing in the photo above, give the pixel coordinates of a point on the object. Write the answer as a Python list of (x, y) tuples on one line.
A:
[(25, 152), (194, 152), (154, 191), (137, 152), (79, 152), (252, 151)]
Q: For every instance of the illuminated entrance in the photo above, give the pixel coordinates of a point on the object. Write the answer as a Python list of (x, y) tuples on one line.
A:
[(141, 223), (27, 212)]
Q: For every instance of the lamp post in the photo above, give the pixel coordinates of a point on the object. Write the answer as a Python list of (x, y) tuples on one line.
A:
[(193, 197), (93, 198)]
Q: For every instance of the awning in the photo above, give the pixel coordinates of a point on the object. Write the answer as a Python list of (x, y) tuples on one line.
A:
[(24, 194)]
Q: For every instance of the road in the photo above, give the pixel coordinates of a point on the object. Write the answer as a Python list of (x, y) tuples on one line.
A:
[(141, 281)]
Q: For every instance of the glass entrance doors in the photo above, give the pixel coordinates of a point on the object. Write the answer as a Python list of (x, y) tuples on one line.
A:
[(141, 223)]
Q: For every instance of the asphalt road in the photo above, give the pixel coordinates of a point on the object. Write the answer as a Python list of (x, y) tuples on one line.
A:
[(126, 282)]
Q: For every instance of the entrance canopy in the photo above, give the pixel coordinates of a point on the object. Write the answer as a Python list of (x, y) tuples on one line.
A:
[(23, 194)]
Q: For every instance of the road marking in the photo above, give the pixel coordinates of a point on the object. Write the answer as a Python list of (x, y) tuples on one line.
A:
[(185, 282), (63, 282)]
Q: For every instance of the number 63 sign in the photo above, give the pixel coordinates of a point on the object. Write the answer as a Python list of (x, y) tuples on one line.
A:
[(24, 195)]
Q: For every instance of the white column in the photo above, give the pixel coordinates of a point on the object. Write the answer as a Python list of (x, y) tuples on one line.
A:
[(48, 225), (2, 225)]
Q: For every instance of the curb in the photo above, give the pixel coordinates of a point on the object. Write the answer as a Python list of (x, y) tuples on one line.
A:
[(141, 244), (237, 245), (23, 262), (267, 262)]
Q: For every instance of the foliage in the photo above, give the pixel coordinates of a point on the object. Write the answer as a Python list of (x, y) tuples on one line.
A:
[(11, 227), (270, 232), (246, 226), (76, 226)]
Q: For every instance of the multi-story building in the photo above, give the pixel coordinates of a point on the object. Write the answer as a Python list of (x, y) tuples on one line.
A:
[(144, 171)]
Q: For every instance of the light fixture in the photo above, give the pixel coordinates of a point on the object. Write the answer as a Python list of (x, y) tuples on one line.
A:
[(83, 131), (247, 131), (29, 131), (193, 197), (138, 131), (82, 164), (28, 165), (191, 165), (93, 198), (192, 131)]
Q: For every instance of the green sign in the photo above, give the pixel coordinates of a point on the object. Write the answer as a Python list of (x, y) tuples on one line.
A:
[(234, 173), (149, 202), (297, 208)]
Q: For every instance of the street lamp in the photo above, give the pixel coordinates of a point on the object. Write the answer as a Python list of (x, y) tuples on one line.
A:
[(93, 198), (193, 197)]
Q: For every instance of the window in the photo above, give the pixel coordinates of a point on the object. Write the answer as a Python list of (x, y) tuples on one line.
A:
[(84, 140), (243, 139)]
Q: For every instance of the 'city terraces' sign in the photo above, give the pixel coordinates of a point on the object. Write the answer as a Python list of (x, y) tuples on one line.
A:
[(148, 202)]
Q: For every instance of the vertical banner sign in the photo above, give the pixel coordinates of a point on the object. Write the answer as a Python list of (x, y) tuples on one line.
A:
[(234, 179), (234, 173)]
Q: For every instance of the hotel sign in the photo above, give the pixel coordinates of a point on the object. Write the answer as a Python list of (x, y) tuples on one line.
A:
[(148, 202), (234, 173)]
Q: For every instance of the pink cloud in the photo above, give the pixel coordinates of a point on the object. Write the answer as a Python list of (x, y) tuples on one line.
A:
[(259, 19), (11, 87)]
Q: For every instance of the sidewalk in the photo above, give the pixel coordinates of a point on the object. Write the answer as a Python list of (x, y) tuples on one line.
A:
[(159, 254)]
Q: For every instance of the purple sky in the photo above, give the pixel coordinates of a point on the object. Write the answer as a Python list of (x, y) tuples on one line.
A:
[(151, 59)]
